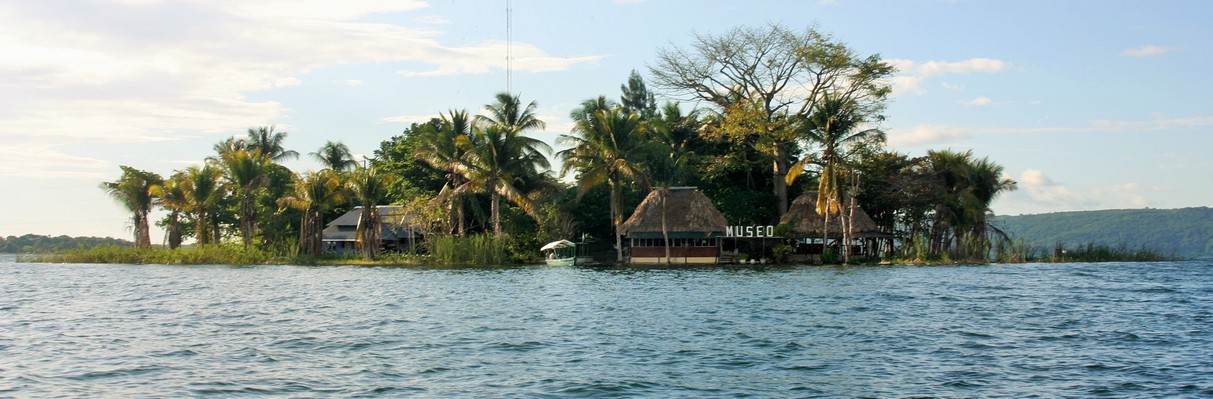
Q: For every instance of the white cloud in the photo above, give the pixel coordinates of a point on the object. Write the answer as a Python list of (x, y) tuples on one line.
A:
[(433, 20), (1127, 195), (409, 119), (156, 70), (1158, 123), (933, 68), (16, 158), (1038, 192), (491, 55), (906, 84), (912, 74), (928, 134), (319, 9), (1042, 189), (1145, 51), (980, 101)]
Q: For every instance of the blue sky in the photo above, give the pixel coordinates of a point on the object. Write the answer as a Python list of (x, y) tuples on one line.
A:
[(1087, 104)]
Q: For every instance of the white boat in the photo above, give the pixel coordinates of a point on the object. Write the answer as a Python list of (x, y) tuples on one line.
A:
[(560, 253)]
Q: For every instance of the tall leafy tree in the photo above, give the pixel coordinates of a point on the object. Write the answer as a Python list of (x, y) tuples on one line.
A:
[(172, 197), (367, 187), (500, 162), (245, 172), (637, 97), (834, 127), (508, 113), (268, 142), (335, 156), (675, 145), (398, 156), (314, 194), (762, 80), (673, 138), (966, 187), (443, 148), (133, 191), (203, 190), (604, 149), (500, 158)]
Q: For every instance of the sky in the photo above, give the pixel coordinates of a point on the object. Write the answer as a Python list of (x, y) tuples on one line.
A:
[(1087, 104)]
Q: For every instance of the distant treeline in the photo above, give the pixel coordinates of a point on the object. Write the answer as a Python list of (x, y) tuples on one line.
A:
[(38, 243), (1185, 232)]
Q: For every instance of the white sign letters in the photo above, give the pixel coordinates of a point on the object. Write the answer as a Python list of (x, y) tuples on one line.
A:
[(749, 231)]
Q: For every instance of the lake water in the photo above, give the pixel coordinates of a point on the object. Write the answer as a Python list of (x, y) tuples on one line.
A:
[(1029, 330)]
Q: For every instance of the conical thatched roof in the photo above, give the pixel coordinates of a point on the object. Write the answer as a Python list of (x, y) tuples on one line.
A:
[(805, 221), (688, 213)]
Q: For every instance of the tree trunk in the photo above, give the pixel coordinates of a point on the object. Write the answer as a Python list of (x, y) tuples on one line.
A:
[(371, 231), (495, 206), (248, 215), (665, 231), (616, 198), (825, 233), (200, 228), (849, 233), (217, 235), (780, 190), (174, 230), (143, 238)]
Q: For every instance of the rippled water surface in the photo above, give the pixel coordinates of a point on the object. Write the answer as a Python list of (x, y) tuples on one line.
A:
[(1044, 330)]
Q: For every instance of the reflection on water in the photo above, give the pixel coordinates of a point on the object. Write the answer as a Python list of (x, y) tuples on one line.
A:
[(1076, 330)]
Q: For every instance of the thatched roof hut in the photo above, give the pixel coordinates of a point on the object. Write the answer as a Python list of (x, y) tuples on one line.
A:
[(688, 214), (805, 221)]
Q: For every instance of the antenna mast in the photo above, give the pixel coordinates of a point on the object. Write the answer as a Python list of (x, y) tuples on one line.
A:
[(509, 43)]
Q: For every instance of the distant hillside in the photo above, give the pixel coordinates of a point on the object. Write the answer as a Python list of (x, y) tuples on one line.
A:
[(1186, 232), (39, 243)]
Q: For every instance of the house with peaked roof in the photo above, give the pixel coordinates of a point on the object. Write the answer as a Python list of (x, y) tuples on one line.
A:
[(682, 215), (398, 233)]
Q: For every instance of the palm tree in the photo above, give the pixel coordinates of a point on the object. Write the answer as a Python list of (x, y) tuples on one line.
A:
[(315, 193), (672, 135), (335, 156), (245, 172), (269, 143), (171, 195), (203, 190), (133, 191), (833, 127), (676, 138), (498, 162), (367, 187), (509, 114), (603, 150), (443, 148), (967, 187), (986, 182), (499, 158)]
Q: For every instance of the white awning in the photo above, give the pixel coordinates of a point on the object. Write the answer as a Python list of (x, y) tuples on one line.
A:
[(557, 244)]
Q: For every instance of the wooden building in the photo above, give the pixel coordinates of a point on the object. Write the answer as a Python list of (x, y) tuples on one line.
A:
[(680, 222), (341, 234)]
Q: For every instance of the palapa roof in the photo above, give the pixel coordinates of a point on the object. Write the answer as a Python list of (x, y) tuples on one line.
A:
[(805, 221), (688, 213)]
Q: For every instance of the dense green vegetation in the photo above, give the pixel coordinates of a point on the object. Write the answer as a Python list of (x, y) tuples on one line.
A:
[(1186, 232), (781, 112), (33, 243)]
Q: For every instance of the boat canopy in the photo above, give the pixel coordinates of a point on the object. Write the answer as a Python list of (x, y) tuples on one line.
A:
[(558, 244)]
